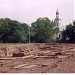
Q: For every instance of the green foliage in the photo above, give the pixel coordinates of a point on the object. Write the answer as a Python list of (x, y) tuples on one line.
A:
[(12, 31), (68, 35), (42, 30)]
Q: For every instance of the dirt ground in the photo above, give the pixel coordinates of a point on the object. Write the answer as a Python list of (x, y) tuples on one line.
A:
[(37, 58)]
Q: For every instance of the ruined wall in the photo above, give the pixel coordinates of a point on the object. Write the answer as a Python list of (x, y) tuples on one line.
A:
[(44, 49)]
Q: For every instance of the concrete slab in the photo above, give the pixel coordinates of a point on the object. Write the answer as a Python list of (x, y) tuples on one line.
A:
[(62, 56), (19, 66), (29, 66), (44, 56), (7, 58), (11, 58)]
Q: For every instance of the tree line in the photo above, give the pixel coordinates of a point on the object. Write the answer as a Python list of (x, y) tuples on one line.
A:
[(12, 31), (41, 31)]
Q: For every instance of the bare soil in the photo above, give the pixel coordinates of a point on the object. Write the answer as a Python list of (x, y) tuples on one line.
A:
[(37, 58)]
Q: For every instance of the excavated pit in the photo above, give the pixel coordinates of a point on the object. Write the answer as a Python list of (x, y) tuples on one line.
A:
[(37, 58)]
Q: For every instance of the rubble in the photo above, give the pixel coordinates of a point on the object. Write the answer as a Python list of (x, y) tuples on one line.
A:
[(45, 57)]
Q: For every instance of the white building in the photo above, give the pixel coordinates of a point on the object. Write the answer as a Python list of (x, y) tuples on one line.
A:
[(57, 21)]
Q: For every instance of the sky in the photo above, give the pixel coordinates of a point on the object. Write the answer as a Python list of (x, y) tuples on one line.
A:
[(28, 11)]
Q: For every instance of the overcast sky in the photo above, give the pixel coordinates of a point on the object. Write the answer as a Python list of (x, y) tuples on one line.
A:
[(29, 10)]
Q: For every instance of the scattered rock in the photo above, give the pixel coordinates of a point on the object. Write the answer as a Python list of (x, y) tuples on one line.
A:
[(54, 65), (18, 55), (62, 56)]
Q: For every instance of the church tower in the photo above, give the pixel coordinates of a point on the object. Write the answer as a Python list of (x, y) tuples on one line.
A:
[(57, 20)]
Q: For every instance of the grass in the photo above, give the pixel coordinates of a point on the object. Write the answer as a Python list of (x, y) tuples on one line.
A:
[(8, 44)]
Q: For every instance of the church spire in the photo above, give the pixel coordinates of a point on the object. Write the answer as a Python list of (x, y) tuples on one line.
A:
[(57, 18), (57, 12)]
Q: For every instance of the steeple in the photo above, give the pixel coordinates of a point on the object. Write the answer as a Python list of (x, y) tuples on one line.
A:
[(57, 12), (57, 21), (57, 18)]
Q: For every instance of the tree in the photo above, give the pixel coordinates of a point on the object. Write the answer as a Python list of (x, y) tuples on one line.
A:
[(42, 30), (69, 33), (12, 31)]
